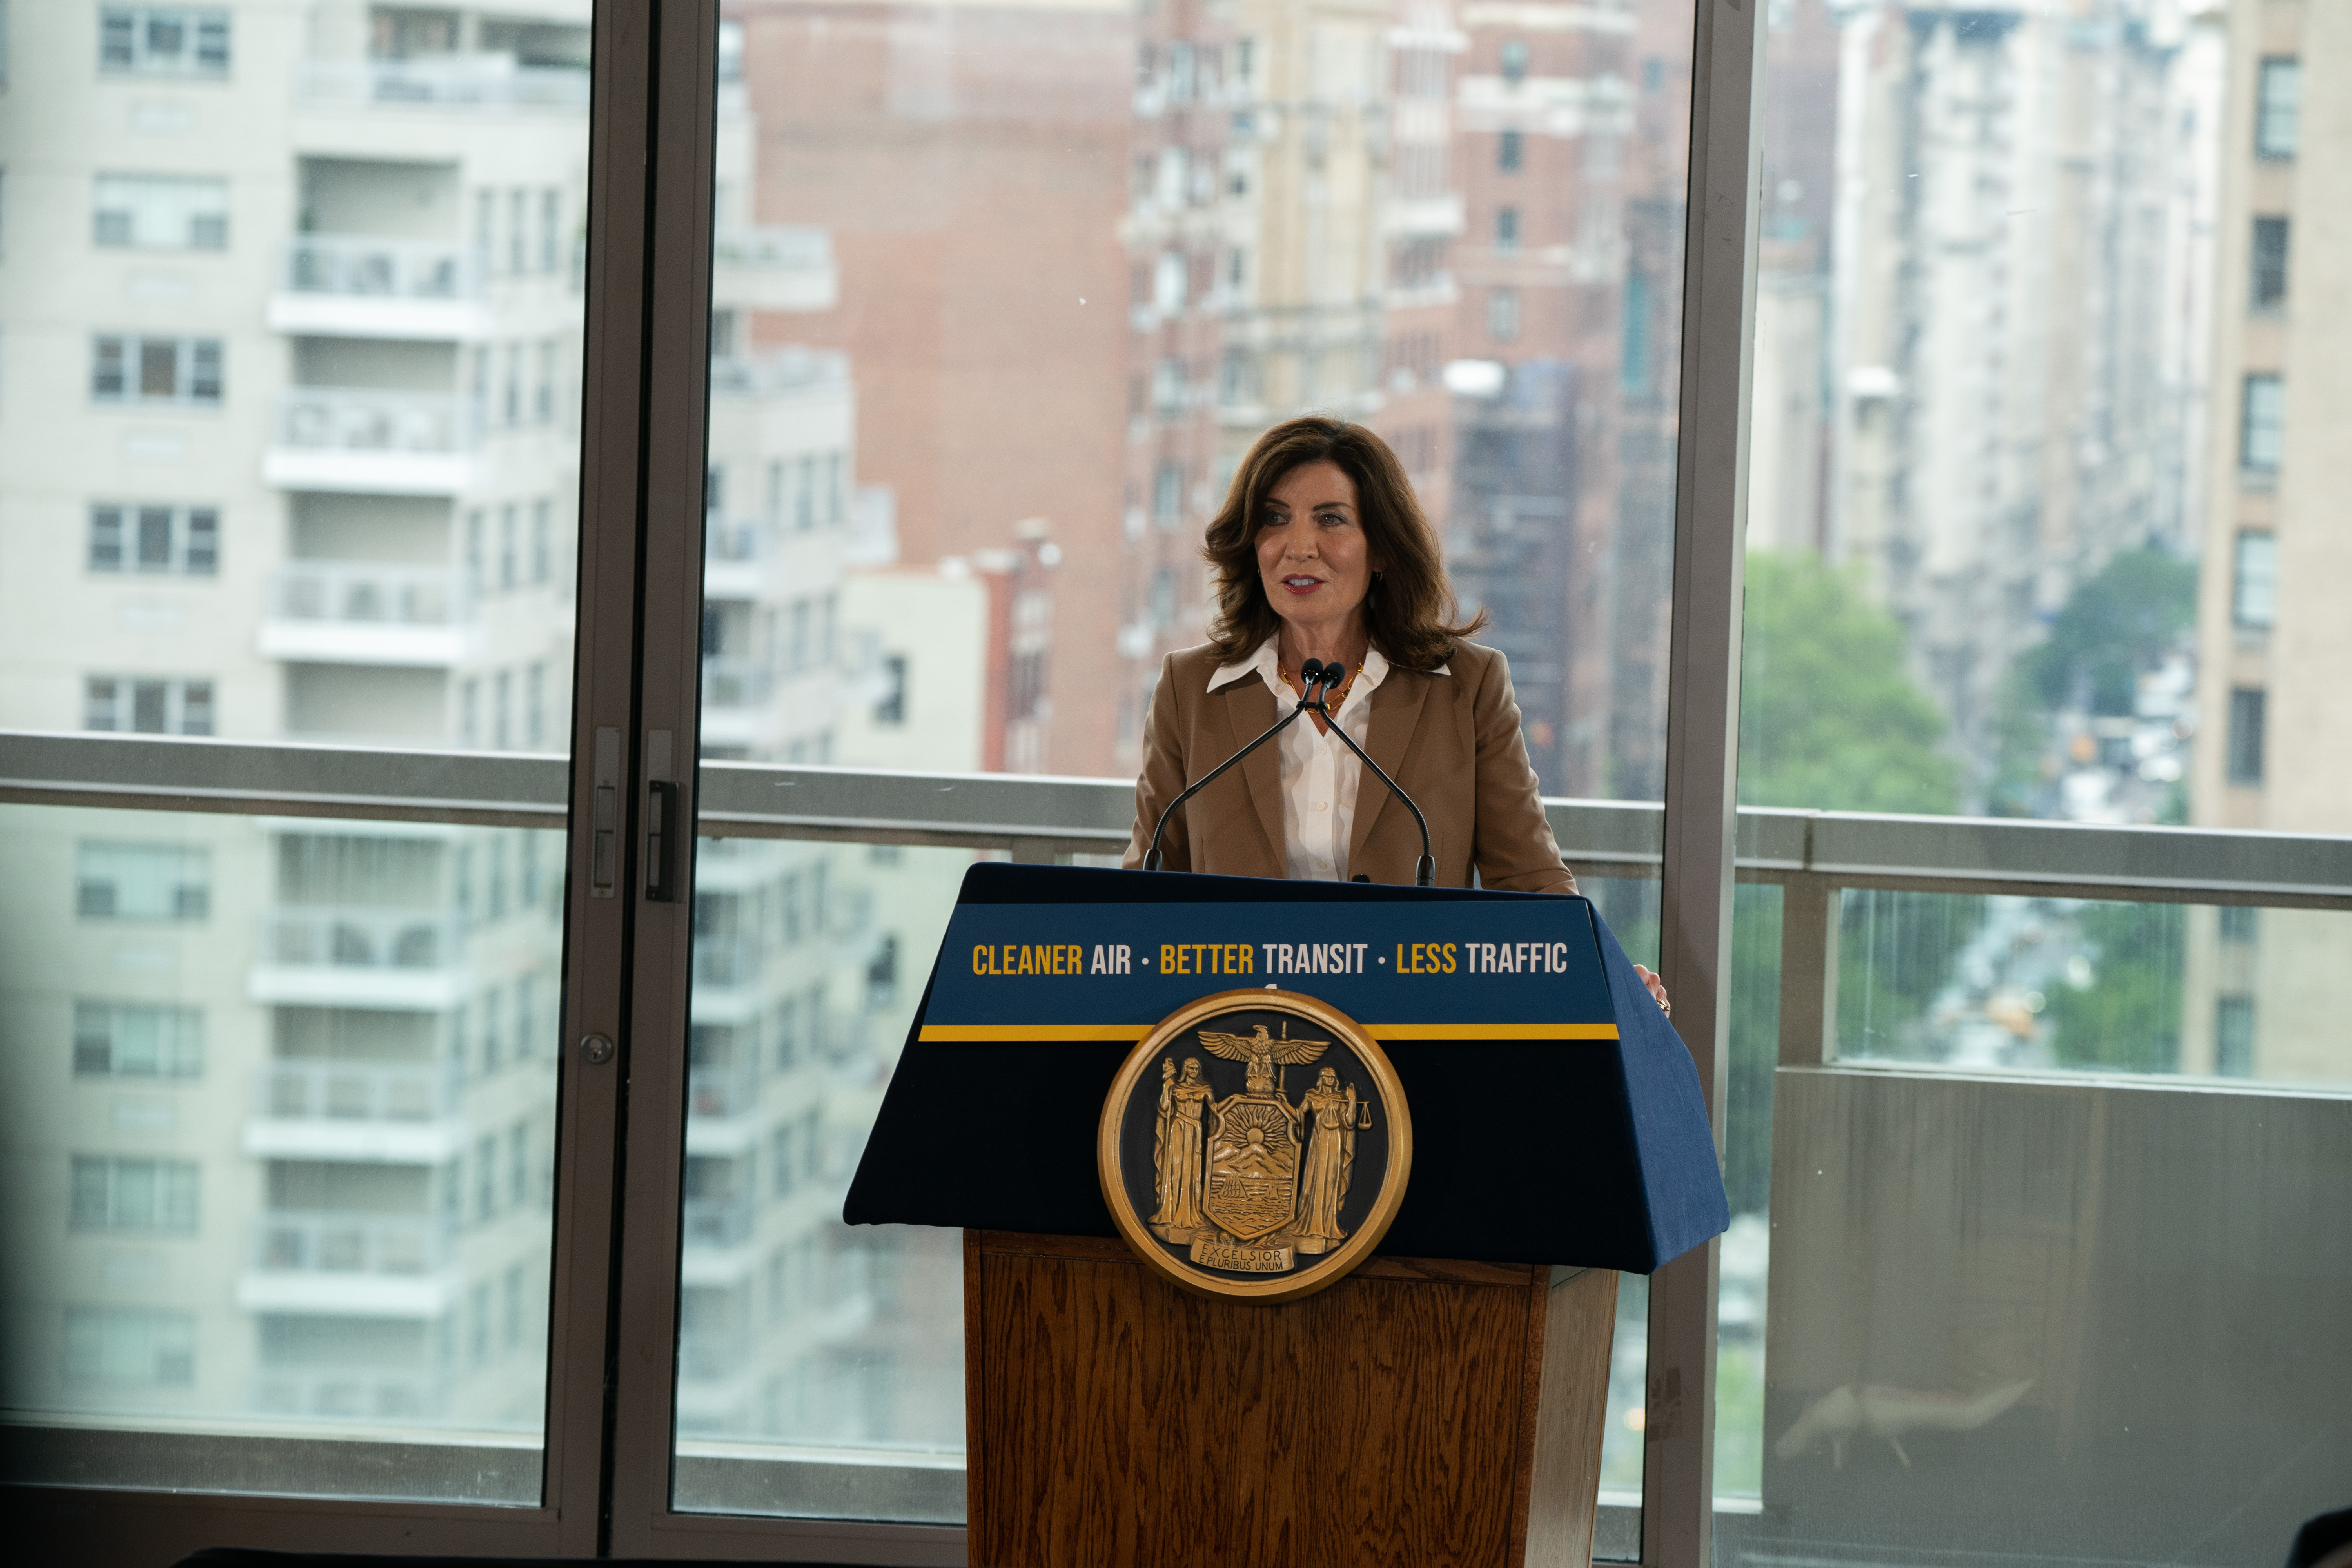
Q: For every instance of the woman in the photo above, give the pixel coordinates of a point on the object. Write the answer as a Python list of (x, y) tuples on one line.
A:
[(1321, 552)]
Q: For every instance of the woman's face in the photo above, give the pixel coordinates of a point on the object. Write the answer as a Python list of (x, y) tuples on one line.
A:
[(1312, 555)]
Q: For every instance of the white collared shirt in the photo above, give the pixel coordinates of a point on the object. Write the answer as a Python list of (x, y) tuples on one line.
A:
[(1319, 774)]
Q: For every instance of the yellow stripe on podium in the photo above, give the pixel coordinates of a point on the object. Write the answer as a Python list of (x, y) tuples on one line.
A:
[(1128, 1034)]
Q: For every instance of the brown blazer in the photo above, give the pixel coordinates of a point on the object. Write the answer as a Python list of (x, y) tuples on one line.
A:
[(1452, 741)]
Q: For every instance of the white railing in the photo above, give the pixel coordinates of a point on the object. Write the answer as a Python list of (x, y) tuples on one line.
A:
[(787, 245), (357, 419), (349, 1393), (370, 592), (741, 540), (722, 1091), (294, 1089), (725, 961), (784, 370), (717, 1222), (729, 680), (324, 1241), (443, 81), (378, 267), (346, 938)]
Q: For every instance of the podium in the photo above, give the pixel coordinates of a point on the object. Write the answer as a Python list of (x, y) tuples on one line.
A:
[(1444, 1402)]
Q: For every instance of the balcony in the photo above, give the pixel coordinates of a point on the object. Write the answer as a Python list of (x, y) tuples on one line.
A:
[(357, 957), (488, 82), (736, 681), (360, 612), (359, 441), (300, 1090), (372, 286), (775, 268), (715, 1222), (786, 373), (349, 1393), (341, 1263)]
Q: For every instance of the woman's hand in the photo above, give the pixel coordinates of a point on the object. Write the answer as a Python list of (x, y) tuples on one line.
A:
[(1657, 989)]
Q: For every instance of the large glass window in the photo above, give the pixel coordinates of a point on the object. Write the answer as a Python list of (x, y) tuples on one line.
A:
[(1136, 237), (2013, 514), (280, 1092)]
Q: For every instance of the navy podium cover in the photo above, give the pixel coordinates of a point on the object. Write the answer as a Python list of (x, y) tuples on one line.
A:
[(1557, 1116)]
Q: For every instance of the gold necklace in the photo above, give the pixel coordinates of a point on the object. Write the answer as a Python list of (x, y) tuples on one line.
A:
[(1331, 701)]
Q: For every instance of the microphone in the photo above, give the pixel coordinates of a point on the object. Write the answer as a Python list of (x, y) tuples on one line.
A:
[(1311, 674), (1316, 680), (1424, 871)]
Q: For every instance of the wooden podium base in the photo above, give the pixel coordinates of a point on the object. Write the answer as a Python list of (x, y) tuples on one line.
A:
[(1416, 1413)]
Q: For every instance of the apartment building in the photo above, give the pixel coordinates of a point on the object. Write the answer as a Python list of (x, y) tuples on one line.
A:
[(971, 163), (2021, 308), (302, 433), (2271, 642), (300, 430), (1194, 176)]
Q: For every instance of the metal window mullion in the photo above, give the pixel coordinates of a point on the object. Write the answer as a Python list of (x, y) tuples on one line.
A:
[(598, 932), (682, 53), (1703, 730)]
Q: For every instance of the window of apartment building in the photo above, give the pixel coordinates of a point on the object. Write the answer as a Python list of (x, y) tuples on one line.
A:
[(2254, 593), (137, 1039), (507, 545), (181, 539), (2261, 425), (513, 402), (160, 212), (1510, 152), (551, 249), (113, 1192), (1168, 386), (2248, 711), (130, 1347), (837, 498), (1503, 314), (2278, 107), (2234, 1036), (164, 40), (517, 231), (502, 711), (534, 707), (125, 369), (1507, 228), (147, 706), (2270, 263), (1167, 278), (1168, 492), (542, 394), (804, 492), (543, 541), (1513, 61), (141, 882)]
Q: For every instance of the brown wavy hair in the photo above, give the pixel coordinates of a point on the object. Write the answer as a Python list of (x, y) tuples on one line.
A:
[(1411, 612)]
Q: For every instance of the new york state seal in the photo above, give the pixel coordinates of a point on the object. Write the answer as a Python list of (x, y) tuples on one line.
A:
[(1256, 1146)]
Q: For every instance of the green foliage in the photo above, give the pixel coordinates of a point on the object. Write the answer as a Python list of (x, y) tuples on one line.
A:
[(2129, 1018), (2116, 624), (1828, 718)]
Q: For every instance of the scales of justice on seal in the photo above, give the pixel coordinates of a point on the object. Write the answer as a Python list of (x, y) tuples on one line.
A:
[(1219, 1146), (1252, 1187)]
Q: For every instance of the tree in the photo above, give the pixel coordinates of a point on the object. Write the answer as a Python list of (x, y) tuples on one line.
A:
[(2116, 625), (2129, 1016), (1829, 717)]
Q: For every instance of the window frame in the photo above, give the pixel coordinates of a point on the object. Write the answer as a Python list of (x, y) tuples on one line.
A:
[(635, 703)]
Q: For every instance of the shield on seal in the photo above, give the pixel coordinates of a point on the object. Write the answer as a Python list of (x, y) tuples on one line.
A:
[(1252, 1186)]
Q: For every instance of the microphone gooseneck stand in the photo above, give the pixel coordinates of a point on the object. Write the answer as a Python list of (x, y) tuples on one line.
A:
[(1316, 681)]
